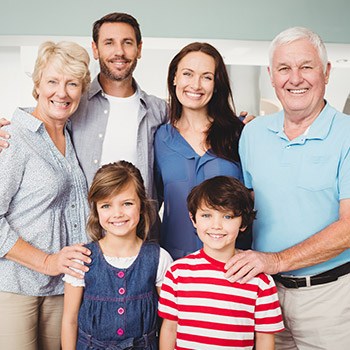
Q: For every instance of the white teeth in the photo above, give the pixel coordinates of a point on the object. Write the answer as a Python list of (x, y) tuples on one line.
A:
[(299, 91), (119, 62), (215, 236), (192, 94), (65, 104), (118, 223)]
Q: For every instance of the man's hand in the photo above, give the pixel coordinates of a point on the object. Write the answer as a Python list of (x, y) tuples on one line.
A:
[(246, 264), (245, 117), (3, 134)]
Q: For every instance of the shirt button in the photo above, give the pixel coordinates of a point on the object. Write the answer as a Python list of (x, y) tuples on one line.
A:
[(121, 291), (75, 225), (105, 111), (100, 136), (73, 206), (121, 274), (120, 331), (95, 161), (121, 311)]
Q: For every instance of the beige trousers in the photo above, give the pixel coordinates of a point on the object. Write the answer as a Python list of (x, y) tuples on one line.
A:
[(316, 317), (30, 323)]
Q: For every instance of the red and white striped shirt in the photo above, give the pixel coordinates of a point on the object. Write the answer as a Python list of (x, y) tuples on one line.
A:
[(213, 313)]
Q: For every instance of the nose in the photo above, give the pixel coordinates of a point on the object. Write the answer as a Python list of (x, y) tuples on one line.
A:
[(61, 90), (295, 76), (216, 223), (196, 83), (118, 211), (118, 49)]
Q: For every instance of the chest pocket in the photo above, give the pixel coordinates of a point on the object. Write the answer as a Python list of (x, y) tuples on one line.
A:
[(317, 172)]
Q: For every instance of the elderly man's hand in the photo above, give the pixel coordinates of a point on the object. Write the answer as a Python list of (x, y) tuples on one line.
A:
[(246, 264), (3, 134)]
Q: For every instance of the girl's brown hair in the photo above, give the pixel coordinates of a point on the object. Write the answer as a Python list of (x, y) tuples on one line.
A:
[(109, 181)]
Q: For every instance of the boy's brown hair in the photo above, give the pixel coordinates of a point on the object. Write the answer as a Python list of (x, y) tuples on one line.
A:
[(223, 193)]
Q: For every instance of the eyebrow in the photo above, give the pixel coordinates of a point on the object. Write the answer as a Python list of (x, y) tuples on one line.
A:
[(191, 70), (287, 64), (113, 39)]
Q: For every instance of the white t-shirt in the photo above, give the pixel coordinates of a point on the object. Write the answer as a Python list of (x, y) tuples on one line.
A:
[(120, 140), (165, 261)]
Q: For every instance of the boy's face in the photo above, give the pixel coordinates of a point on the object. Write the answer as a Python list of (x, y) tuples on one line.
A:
[(218, 230)]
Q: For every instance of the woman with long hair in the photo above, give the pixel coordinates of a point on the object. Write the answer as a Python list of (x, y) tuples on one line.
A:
[(200, 142)]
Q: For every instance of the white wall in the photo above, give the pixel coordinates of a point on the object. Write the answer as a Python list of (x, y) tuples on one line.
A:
[(246, 62)]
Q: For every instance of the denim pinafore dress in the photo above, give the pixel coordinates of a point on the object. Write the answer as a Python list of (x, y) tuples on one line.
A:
[(119, 306)]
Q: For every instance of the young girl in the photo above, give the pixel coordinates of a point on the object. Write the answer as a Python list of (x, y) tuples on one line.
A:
[(115, 306)]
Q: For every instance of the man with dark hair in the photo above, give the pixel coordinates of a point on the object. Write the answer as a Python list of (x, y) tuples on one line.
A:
[(116, 119)]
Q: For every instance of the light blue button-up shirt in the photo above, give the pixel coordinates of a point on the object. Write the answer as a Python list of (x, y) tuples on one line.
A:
[(42, 200), (298, 184)]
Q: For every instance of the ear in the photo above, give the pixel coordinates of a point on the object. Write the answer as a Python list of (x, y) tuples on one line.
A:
[(243, 228), (270, 74), (139, 50), (94, 50), (37, 90), (174, 81), (193, 220), (328, 71)]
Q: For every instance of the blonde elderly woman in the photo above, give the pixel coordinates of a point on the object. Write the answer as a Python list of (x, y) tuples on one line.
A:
[(42, 203)]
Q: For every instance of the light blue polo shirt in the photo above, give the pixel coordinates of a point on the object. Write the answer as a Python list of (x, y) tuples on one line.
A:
[(297, 184)]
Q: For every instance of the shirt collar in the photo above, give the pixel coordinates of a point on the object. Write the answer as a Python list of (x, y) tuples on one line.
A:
[(96, 88), (25, 117), (178, 144), (319, 128)]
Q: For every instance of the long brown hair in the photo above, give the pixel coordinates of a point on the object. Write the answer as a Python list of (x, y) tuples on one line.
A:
[(110, 180), (226, 128)]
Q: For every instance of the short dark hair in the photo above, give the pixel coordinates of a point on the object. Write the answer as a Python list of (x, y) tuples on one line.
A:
[(117, 17), (223, 193)]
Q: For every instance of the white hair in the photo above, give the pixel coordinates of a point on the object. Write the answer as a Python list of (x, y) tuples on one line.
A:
[(297, 33)]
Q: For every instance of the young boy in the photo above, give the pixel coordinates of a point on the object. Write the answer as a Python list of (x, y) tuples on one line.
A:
[(200, 308)]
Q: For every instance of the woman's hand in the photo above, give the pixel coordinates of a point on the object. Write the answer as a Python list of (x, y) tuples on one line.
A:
[(65, 260), (50, 264)]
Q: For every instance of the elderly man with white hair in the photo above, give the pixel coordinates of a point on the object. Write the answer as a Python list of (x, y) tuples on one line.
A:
[(297, 162)]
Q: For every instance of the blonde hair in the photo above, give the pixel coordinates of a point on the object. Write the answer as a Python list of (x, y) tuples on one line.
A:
[(110, 180), (67, 57)]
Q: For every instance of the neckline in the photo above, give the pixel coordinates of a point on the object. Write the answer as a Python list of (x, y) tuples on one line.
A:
[(117, 268), (217, 263)]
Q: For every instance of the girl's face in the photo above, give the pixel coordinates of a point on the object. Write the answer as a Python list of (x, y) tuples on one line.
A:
[(119, 215), (194, 80)]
